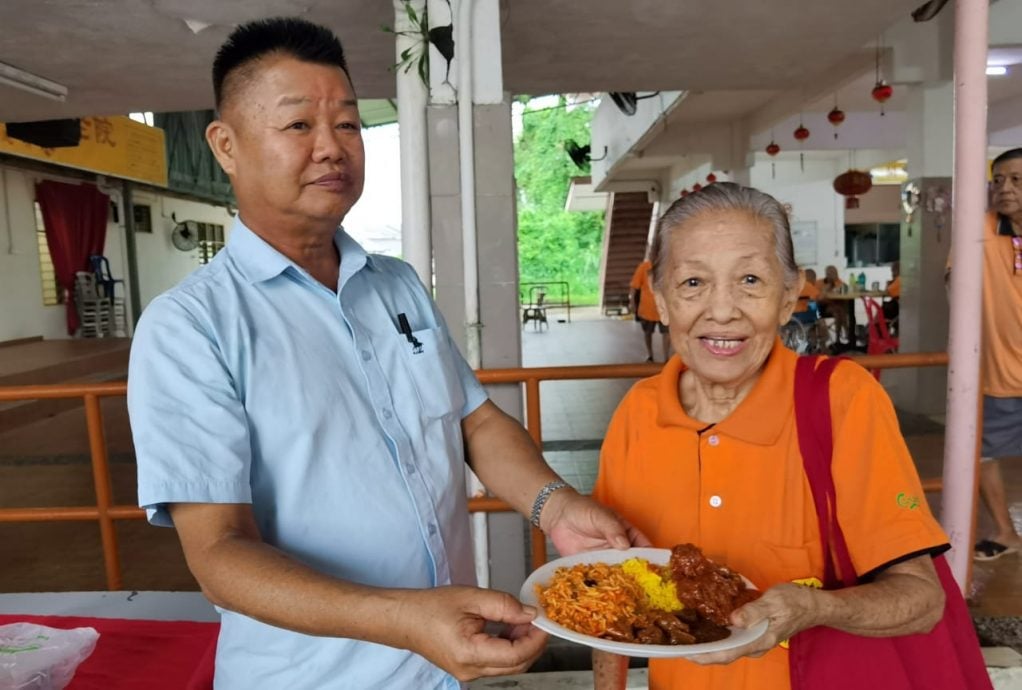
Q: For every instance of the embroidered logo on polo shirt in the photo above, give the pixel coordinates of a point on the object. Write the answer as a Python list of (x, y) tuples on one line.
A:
[(908, 502)]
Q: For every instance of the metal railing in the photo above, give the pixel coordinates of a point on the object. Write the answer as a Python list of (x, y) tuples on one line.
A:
[(105, 512)]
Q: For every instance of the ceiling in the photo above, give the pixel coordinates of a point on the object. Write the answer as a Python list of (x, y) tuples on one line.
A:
[(120, 56)]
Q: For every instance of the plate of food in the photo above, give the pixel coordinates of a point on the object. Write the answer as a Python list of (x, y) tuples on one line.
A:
[(643, 602)]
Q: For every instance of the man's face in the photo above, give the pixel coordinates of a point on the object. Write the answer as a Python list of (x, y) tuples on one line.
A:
[(1007, 187), (295, 152)]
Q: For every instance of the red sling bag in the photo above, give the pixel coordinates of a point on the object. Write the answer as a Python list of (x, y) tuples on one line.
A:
[(946, 658)]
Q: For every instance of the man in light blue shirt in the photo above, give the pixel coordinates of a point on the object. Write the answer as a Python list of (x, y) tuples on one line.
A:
[(301, 416)]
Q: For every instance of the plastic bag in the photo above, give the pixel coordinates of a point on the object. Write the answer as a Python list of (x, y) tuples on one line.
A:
[(35, 657)]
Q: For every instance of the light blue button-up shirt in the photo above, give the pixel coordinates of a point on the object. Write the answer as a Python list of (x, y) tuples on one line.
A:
[(250, 382)]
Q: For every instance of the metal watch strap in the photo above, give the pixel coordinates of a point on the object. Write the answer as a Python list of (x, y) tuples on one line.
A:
[(542, 497)]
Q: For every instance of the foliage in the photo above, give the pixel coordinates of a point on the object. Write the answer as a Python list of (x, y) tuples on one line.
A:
[(440, 37), (554, 244)]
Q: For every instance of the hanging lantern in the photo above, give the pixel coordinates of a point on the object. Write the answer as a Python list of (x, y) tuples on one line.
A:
[(852, 184), (684, 193), (711, 178), (696, 187), (881, 93), (772, 150), (801, 134), (836, 117)]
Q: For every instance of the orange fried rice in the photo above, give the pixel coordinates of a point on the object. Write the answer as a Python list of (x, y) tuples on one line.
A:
[(589, 598)]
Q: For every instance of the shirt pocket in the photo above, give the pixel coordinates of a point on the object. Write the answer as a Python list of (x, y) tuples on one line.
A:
[(776, 563), (429, 362)]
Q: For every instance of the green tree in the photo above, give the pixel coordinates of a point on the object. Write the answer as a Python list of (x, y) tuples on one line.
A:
[(554, 244)]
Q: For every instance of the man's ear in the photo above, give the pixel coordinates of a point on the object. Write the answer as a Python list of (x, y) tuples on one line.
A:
[(221, 139)]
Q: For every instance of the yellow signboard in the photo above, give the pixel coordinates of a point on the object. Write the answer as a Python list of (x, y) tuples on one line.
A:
[(115, 145)]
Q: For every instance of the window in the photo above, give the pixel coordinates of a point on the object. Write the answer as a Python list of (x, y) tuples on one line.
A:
[(872, 244), (211, 240), (143, 217), (52, 294)]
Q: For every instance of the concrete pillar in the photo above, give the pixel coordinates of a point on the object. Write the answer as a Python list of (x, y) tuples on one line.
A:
[(925, 244), (497, 249)]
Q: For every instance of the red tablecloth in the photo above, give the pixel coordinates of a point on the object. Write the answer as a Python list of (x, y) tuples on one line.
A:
[(133, 654)]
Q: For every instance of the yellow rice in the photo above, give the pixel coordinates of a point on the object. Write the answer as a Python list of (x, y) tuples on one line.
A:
[(661, 594)]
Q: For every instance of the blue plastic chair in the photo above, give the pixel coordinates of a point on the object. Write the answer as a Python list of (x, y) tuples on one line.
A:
[(106, 282)]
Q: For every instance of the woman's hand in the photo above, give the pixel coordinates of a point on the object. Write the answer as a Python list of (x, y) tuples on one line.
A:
[(787, 608), (577, 523), (446, 626)]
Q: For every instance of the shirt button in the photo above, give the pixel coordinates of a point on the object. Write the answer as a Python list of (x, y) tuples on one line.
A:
[(387, 414), (714, 440), (716, 501), (366, 355), (410, 468), (432, 529)]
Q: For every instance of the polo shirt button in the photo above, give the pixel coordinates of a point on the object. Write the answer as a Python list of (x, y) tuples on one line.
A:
[(432, 529), (716, 501), (366, 355), (387, 414), (714, 440), (410, 468)]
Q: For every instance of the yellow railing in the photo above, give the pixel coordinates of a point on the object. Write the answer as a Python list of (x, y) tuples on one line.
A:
[(106, 511)]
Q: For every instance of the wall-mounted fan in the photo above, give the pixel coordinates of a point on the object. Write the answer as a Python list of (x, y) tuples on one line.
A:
[(628, 101), (185, 236), (581, 155)]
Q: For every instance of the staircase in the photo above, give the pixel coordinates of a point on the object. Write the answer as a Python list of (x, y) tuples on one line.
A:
[(624, 247)]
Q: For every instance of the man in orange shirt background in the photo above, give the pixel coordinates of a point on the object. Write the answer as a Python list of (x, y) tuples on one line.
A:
[(642, 304), (1001, 353)]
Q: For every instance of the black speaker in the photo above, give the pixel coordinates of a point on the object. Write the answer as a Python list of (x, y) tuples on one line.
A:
[(49, 134)]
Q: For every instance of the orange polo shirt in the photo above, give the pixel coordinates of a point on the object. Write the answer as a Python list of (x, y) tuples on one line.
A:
[(738, 490), (894, 289), (1002, 313), (640, 281), (809, 293)]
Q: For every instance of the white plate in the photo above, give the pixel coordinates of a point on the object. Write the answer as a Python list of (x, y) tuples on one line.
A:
[(543, 575)]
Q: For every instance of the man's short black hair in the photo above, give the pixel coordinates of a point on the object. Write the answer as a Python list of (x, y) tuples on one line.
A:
[(288, 35), (1010, 154)]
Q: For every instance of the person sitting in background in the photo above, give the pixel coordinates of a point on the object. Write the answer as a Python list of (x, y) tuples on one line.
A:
[(805, 309), (834, 309)]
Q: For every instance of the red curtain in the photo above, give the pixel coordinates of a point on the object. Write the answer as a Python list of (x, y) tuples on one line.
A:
[(75, 219)]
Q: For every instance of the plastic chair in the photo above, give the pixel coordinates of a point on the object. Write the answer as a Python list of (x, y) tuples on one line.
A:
[(536, 310), (107, 283), (94, 309), (879, 338)]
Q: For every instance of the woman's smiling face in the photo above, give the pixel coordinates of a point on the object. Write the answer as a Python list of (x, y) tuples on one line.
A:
[(723, 293)]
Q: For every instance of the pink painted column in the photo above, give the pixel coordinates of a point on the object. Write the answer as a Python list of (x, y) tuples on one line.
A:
[(966, 293)]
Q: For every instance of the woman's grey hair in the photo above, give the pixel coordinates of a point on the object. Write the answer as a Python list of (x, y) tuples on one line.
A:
[(726, 196)]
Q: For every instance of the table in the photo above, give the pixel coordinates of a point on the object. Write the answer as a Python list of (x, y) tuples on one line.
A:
[(851, 296), (152, 640)]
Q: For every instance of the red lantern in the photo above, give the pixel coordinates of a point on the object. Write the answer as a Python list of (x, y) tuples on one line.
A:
[(684, 193), (711, 178), (881, 93), (801, 134), (696, 187), (852, 184), (836, 117), (772, 149)]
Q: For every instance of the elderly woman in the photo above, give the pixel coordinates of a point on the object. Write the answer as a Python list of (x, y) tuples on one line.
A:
[(707, 452)]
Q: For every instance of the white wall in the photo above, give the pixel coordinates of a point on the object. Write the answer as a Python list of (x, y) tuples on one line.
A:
[(22, 314), (160, 265)]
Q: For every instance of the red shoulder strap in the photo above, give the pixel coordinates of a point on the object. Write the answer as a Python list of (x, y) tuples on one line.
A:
[(816, 443)]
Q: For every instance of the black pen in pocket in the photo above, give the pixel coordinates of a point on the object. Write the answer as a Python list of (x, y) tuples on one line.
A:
[(402, 322)]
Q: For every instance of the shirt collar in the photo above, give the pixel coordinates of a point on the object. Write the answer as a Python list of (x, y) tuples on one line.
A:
[(1004, 226), (258, 261), (758, 419)]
